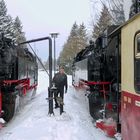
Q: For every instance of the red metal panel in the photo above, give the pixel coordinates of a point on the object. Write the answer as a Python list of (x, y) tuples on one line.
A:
[(98, 83), (108, 126), (130, 116), (24, 84)]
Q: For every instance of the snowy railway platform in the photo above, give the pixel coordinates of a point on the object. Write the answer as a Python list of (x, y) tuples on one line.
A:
[(34, 123)]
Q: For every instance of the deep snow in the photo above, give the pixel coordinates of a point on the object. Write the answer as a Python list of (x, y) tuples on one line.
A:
[(34, 123)]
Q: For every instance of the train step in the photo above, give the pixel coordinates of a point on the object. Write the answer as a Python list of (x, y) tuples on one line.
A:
[(108, 126)]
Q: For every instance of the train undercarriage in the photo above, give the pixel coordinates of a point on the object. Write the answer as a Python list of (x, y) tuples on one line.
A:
[(103, 105), (13, 95)]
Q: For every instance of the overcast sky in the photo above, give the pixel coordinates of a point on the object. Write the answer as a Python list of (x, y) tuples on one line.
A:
[(41, 17)]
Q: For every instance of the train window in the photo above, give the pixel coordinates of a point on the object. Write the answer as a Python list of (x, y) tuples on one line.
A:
[(137, 64), (138, 45)]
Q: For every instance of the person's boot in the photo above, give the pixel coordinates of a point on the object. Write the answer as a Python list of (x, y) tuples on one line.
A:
[(56, 106)]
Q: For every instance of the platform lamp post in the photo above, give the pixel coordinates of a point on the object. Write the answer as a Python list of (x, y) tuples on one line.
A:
[(54, 36)]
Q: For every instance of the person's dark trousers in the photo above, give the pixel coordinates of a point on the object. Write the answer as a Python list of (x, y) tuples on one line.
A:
[(60, 92), (55, 96), (62, 96)]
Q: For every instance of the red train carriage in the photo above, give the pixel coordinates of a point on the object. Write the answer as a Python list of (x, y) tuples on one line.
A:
[(130, 96)]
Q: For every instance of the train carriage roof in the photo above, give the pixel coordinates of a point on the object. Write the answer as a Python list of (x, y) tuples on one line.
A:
[(118, 30)]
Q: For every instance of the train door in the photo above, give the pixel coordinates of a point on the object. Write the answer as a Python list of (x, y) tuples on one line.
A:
[(130, 68)]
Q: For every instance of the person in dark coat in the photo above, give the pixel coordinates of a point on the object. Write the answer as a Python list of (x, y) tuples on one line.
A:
[(60, 81)]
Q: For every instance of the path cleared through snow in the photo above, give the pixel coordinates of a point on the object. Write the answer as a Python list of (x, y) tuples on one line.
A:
[(34, 123)]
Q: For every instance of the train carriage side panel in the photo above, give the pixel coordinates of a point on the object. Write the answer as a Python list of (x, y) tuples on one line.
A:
[(130, 105)]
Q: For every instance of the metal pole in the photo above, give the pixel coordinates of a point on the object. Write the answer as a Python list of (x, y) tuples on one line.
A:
[(54, 36), (54, 58)]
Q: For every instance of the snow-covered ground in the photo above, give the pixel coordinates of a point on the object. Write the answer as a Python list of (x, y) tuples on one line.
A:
[(34, 123)]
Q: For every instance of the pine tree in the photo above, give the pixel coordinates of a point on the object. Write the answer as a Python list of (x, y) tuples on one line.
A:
[(135, 8), (11, 29), (18, 24), (3, 9), (82, 33), (71, 44), (3, 15), (19, 35), (74, 31), (103, 22), (114, 11), (6, 24), (8, 27), (76, 41)]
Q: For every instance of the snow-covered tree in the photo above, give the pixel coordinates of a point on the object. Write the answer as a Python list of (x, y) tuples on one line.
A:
[(6, 24), (135, 8), (11, 29), (18, 33), (3, 9)]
